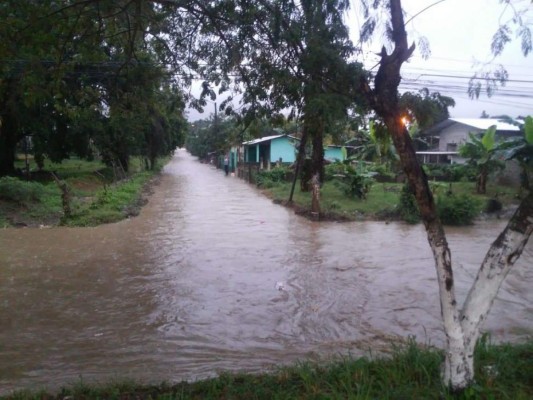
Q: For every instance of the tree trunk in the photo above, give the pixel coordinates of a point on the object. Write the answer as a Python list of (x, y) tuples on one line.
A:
[(458, 366), (458, 372), (499, 260), (461, 328), (314, 130), (300, 158), (481, 182), (8, 144), (317, 170), (315, 196)]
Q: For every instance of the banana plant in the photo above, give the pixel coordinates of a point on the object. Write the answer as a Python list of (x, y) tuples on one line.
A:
[(521, 150), (378, 146), (481, 153)]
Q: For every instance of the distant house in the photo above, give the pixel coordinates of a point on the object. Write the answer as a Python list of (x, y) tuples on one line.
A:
[(270, 150), (334, 153), (443, 139)]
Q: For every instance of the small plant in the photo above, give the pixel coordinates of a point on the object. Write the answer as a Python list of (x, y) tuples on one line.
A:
[(457, 210), (351, 181), (358, 184), (335, 170), (267, 179), (408, 208)]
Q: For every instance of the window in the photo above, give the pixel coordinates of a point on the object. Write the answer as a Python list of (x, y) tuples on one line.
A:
[(451, 147)]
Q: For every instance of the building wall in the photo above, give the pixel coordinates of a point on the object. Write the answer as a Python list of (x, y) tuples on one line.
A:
[(251, 154), (283, 148), (454, 135), (333, 154)]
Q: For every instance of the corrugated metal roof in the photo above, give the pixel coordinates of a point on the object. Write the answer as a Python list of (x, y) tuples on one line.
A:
[(268, 138), (263, 139), (485, 123)]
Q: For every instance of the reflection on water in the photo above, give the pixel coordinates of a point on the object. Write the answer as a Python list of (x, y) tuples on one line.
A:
[(189, 288)]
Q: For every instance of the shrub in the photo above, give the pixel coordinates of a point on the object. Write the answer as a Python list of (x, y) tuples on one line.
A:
[(408, 208), (383, 172), (358, 184), (351, 181), (335, 170), (457, 210), (267, 179), (18, 191), (450, 172)]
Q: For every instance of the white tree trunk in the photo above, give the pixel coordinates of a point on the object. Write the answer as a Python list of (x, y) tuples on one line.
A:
[(458, 370), (461, 328), (499, 260)]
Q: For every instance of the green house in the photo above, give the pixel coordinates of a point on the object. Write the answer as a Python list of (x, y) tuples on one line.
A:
[(270, 150), (334, 153)]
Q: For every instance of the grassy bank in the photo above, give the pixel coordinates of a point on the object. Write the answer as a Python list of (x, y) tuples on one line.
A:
[(383, 199), (502, 372), (96, 194)]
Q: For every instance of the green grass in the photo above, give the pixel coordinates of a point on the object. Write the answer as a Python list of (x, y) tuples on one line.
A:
[(97, 197), (411, 372), (382, 200), (111, 204)]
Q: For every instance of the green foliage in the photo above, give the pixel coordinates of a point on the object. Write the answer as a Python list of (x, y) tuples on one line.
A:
[(489, 138), (528, 129), (267, 179), (352, 181), (481, 153), (383, 172), (451, 172), (209, 136), (426, 108), (521, 150), (96, 196), (336, 169), (19, 191), (79, 84), (377, 145), (458, 209), (453, 209), (407, 206), (358, 184)]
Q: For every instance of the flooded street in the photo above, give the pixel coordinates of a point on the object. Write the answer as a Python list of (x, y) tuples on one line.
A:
[(191, 287)]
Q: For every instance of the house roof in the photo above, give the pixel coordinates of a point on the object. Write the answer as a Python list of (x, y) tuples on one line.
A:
[(267, 138), (477, 123), (485, 123)]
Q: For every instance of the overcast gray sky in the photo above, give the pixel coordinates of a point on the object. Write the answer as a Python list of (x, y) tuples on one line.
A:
[(459, 34)]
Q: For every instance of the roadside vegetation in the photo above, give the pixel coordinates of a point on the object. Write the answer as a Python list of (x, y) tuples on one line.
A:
[(74, 192), (409, 372), (365, 191)]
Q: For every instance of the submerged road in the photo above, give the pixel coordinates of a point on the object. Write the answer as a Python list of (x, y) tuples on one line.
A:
[(213, 276)]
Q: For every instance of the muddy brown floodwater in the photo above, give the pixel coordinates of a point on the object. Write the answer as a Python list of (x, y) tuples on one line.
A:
[(191, 287)]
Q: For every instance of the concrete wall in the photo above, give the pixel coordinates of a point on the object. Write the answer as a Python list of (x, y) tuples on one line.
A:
[(283, 148), (455, 134)]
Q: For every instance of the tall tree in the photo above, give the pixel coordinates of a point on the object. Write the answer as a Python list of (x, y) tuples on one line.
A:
[(461, 324), (63, 58), (291, 55)]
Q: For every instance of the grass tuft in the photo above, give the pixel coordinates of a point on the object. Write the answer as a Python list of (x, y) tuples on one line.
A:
[(411, 372)]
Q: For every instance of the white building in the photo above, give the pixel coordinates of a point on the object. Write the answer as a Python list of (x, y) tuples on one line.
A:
[(444, 138)]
